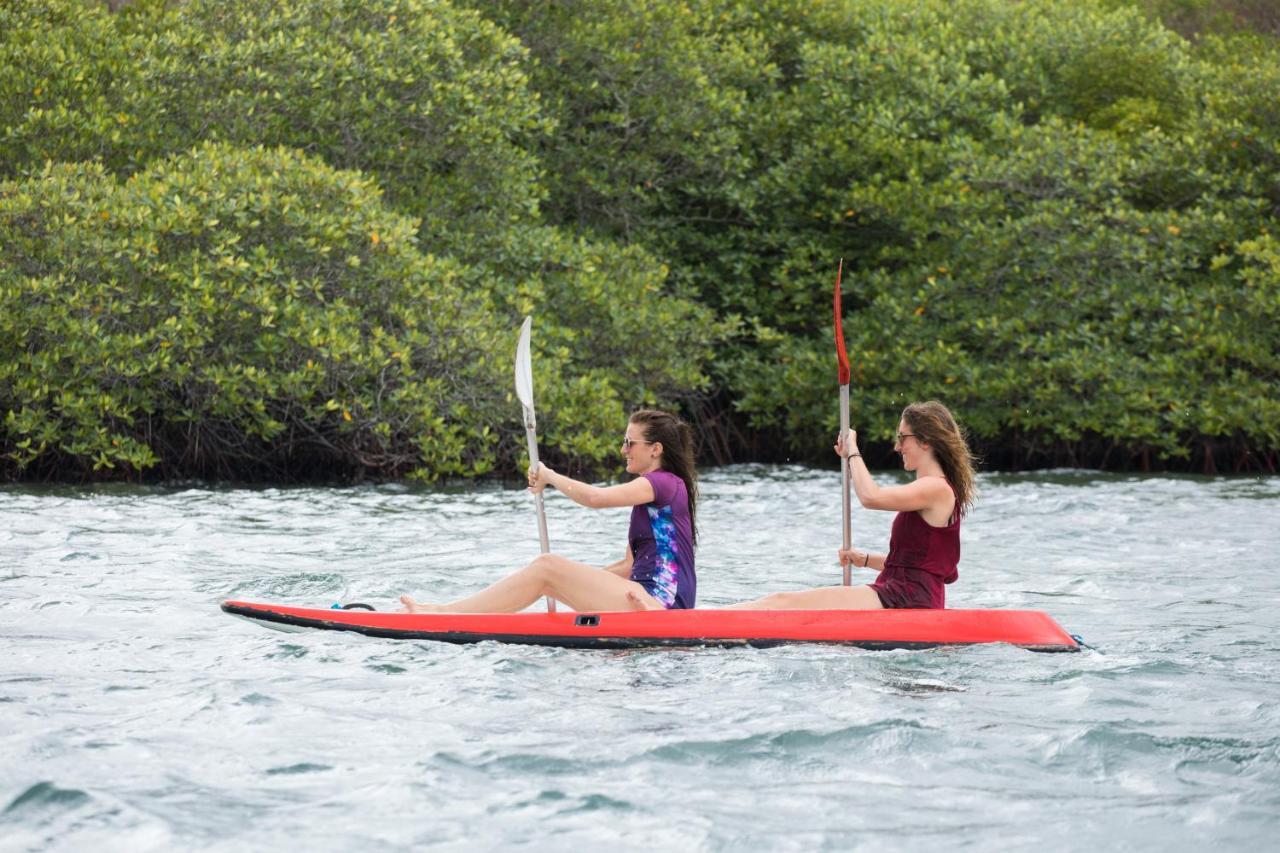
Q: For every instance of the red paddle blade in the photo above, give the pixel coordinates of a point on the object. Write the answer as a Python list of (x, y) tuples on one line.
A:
[(842, 357)]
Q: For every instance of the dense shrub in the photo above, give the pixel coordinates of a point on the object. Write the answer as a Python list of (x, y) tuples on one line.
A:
[(429, 99), (1046, 307), (1059, 217), (254, 313), (609, 335), (1041, 206), (426, 99), (66, 70), (1199, 18), (650, 100), (235, 313)]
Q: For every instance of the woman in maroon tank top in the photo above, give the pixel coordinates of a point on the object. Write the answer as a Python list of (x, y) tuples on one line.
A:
[(924, 546)]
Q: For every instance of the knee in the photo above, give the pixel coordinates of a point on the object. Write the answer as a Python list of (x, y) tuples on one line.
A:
[(777, 600), (546, 566)]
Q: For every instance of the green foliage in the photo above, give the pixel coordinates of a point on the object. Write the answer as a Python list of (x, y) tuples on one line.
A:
[(1241, 133), (65, 71), (230, 312), (429, 99), (1029, 198), (647, 100), (609, 336), (1057, 217), (1198, 18)]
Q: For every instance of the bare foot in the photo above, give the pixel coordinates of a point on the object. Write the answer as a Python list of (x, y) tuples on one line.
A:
[(411, 606), (641, 602)]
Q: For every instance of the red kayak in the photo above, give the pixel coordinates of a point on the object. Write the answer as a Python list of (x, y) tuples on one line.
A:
[(868, 629)]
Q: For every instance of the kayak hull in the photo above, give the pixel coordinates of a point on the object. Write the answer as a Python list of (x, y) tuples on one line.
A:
[(870, 629)]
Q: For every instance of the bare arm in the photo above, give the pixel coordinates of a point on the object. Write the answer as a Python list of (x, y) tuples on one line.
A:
[(622, 568), (862, 559), (922, 495), (638, 491)]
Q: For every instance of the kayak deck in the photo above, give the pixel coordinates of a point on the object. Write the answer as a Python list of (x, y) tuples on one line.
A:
[(869, 629)]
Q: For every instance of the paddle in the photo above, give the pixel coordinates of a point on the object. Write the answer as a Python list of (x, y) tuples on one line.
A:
[(524, 390), (842, 364)]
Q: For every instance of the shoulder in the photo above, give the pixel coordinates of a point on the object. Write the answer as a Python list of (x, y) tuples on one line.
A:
[(929, 492), (940, 489), (938, 486), (940, 493), (666, 486), (927, 488)]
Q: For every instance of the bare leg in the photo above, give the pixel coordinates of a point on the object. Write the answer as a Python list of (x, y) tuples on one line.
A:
[(823, 598), (640, 600), (578, 585)]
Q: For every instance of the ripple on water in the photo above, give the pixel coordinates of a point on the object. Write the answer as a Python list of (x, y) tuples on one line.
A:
[(296, 586), (296, 769), (48, 817), (1117, 751), (47, 797)]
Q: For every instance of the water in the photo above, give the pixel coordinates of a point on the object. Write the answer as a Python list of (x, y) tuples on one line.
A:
[(134, 715)]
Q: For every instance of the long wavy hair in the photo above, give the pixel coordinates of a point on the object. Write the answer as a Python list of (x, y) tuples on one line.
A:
[(678, 456), (934, 425)]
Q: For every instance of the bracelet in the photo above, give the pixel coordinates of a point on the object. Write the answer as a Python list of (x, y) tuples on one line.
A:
[(866, 560), (851, 455)]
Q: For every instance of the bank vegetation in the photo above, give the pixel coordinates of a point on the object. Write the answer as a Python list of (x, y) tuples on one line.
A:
[(296, 240)]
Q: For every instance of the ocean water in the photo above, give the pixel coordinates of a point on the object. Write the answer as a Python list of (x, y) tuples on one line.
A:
[(134, 715)]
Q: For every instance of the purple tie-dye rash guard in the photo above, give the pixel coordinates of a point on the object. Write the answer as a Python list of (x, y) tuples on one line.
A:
[(661, 540)]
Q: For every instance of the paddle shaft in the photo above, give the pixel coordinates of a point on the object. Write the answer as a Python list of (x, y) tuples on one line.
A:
[(531, 435), (845, 472), (543, 539), (842, 365), (524, 390)]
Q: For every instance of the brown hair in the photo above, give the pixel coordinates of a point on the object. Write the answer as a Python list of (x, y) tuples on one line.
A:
[(933, 424), (677, 452)]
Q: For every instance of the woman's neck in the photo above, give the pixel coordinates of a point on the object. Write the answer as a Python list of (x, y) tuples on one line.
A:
[(930, 469)]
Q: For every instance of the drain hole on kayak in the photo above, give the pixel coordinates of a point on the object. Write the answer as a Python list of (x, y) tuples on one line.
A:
[(587, 621)]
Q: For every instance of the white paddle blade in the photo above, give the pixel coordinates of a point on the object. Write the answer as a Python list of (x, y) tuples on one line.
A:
[(524, 366)]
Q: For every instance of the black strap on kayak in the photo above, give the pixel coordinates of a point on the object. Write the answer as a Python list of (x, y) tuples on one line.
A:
[(1081, 643), (355, 605)]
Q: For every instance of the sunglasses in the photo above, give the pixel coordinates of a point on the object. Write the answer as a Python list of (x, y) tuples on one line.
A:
[(628, 443), (906, 435)]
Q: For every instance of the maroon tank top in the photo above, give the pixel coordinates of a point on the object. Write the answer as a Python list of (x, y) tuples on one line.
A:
[(922, 560)]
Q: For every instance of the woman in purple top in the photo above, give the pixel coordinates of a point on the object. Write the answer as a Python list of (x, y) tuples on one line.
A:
[(657, 571), (924, 545)]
